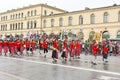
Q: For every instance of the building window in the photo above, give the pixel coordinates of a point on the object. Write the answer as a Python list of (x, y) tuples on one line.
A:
[(70, 21), (52, 13), (10, 26), (45, 22), (28, 25), (52, 22), (92, 18), (1, 27), (31, 13), (45, 12), (21, 25), (13, 27), (31, 24), (61, 22), (35, 12), (16, 16), (80, 19), (10, 16), (22, 15), (35, 24), (28, 14), (119, 16), (13, 16), (6, 27), (18, 26), (19, 15), (105, 35), (105, 18)]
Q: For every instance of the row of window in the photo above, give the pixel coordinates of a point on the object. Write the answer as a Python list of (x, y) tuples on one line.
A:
[(16, 16), (70, 20), (4, 27), (32, 13), (4, 18), (31, 24), (19, 15), (16, 26), (45, 13)]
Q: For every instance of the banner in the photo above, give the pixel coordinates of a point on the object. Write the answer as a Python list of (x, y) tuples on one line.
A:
[(97, 37)]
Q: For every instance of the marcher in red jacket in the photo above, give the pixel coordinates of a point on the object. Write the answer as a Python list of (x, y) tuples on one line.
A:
[(94, 52), (105, 52), (72, 49), (78, 47), (5, 43), (45, 45), (32, 46)]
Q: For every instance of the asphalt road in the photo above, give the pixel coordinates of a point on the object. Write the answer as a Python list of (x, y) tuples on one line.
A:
[(36, 67)]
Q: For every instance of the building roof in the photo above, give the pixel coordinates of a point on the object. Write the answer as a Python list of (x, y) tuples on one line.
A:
[(86, 10), (44, 5)]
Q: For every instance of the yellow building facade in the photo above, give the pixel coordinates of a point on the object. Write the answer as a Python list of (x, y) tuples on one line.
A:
[(41, 17)]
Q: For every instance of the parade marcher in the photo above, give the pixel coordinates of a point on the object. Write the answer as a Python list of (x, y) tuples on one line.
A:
[(27, 45), (94, 52), (72, 49), (12, 47), (78, 47), (40, 46), (32, 44), (5, 43), (18, 47), (86, 48), (21, 47), (1, 45), (65, 51), (105, 52), (55, 50), (45, 44)]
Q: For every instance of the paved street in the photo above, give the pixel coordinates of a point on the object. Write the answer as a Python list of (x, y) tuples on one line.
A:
[(37, 68)]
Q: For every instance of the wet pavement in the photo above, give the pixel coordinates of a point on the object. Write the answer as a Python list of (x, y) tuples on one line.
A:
[(38, 68)]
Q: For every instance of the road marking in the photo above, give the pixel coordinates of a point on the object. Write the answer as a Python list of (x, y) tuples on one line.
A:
[(12, 76), (65, 66), (108, 78)]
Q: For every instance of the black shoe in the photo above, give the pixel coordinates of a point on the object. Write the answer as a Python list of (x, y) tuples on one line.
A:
[(78, 57), (94, 64), (45, 56), (65, 60)]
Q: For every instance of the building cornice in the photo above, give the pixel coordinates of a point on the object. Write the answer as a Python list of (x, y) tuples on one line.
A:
[(83, 11), (32, 6)]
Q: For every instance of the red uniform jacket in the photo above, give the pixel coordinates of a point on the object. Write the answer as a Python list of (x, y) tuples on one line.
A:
[(27, 44), (105, 50), (45, 44), (1, 43), (32, 44), (55, 44), (5, 43), (77, 45), (94, 49), (72, 46)]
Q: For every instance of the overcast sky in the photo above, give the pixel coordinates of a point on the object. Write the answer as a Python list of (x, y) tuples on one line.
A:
[(69, 5)]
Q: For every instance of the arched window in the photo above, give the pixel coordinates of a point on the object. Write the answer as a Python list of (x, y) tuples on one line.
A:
[(16, 16), (105, 35), (35, 12), (19, 15), (10, 26), (28, 25), (44, 23), (52, 22), (80, 19), (35, 24), (21, 25), (31, 24), (6, 27), (70, 21), (28, 13), (13, 27), (22, 15), (45, 12), (61, 22), (18, 26), (92, 18), (91, 35), (105, 18), (119, 16), (31, 13)]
